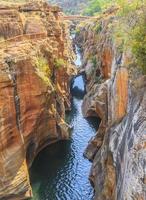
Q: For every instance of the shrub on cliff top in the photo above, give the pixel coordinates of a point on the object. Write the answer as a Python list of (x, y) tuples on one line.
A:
[(127, 7), (129, 28), (93, 8), (96, 6), (130, 31), (139, 45)]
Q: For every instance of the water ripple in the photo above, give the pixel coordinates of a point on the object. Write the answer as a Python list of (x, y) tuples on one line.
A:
[(60, 172)]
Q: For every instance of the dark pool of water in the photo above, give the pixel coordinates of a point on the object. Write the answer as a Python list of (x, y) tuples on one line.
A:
[(60, 172)]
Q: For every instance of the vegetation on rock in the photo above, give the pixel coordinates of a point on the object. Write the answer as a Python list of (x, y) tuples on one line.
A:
[(43, 69), (59, 62), (71, 6), (139, 45), (96, 6), (133, 30), (129, 30)]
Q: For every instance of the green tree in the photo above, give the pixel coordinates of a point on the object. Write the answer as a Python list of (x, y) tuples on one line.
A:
[(96, 6)]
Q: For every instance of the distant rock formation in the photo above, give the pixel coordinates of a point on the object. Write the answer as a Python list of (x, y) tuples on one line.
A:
[(71, 7)]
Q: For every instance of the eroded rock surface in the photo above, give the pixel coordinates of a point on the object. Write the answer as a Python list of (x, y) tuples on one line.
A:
[(118, 97), (35, 71)]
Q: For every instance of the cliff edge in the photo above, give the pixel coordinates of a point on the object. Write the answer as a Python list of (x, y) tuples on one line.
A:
[(35, 70), (116, 93)]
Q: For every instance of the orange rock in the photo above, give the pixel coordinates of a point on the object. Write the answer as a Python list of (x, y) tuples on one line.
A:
[(32, 108), (107, 58), (121, 94)]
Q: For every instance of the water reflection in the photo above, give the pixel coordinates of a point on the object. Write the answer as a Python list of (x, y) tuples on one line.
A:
[(78, 60), (78, 87), (60, 172)]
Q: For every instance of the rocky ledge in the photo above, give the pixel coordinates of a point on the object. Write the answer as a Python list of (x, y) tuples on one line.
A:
[(115, 93), (35, 69)]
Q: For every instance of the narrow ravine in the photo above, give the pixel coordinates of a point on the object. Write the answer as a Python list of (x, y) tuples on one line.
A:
[(60, 172)]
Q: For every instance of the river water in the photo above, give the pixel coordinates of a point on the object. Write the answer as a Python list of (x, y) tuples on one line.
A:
[(60, 172)]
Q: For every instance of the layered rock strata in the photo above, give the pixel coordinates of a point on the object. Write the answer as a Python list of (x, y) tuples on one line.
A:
[(35, 71), (116, 94)]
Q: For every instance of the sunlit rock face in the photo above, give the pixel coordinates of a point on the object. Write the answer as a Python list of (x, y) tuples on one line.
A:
[(118, 97), (10, 24), (35, 73)]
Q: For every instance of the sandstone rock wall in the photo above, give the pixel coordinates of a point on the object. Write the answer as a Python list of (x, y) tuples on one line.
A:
[(34, 91), (118, 149)]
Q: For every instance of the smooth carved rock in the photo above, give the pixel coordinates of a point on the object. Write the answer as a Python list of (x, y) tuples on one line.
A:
[(115, 93), (95, 102), (120, 95), (125, 143), (32, 100), (107, 58)]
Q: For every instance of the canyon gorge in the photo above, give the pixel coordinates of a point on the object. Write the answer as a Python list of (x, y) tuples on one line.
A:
[(67, 94)]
